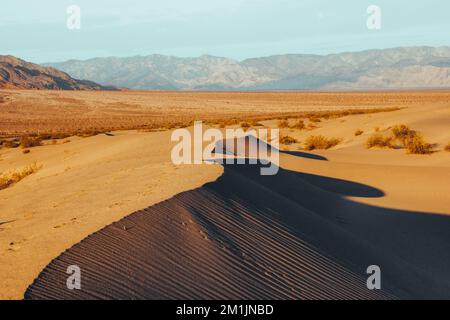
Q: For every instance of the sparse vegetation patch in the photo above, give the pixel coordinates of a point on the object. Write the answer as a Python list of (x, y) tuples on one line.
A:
[(321, 142), (408, 139), (417, 145), (283, 124), (379, 141), (299, 125), (10, 178), (447, 147), (287, 140)]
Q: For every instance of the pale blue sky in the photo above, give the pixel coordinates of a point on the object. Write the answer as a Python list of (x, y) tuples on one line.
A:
[(36, 30)]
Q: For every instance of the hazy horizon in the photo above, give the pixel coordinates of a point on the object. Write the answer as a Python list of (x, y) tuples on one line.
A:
[(237, 29), (241, 60)]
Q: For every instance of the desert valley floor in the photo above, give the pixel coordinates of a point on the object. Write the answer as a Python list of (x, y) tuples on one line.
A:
[(108, 198)]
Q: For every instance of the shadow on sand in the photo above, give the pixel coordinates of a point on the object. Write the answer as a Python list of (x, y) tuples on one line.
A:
[(247, 236)]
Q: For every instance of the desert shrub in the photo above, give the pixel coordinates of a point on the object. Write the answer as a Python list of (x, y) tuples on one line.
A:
[(447, 147), (315, 119), (52, 136), (320, 142), (403, 133), (358, 132), (378, 140), (417, 145), (25, 151), (299, 125), (245, 125), (255, 123), (283, 124), (29, 142), (287, 140), (10, 178), (11, 144)]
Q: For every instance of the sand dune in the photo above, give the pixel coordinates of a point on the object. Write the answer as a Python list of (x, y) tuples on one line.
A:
[(246, 236), (309, 232), (216, 242), (83, 186)]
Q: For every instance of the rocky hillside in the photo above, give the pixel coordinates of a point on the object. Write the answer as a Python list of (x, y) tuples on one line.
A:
[(18, 74)]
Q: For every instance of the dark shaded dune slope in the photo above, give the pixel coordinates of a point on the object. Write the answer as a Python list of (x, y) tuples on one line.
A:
[(242, 237)]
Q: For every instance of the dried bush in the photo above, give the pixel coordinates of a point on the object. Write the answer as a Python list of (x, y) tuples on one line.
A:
[(403, 133), (447, 147), (321, 142), (30, 142), (10, 178), (287, 140), (380, 141), (283, 124), (299, 125), (417, 145)]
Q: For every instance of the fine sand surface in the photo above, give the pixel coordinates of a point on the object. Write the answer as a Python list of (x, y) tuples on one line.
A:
[(83, 185), (309, 232)]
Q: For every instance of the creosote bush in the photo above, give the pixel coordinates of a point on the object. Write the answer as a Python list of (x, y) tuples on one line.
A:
[(9, 178), (299, 125), (245, 125), (379, 141), (417, 145), (403, 133), (447, 147), (409, 139), (321, 142), (29, 142), (287, 140), (283, 124)]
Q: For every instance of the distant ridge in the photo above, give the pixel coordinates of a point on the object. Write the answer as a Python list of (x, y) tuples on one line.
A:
[(397, 68), (19, 74)]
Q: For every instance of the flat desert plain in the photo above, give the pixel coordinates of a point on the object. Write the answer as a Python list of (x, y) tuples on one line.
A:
[(105, 196)]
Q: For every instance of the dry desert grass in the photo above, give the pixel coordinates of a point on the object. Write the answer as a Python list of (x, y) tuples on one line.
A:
[(379, 141), (10, 178), (447, 147), (76, 113), (321, 143), (408, 139), (287, 140)]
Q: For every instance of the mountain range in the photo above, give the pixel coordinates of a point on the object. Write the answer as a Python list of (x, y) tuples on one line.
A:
[(19, 74), (396, 68)]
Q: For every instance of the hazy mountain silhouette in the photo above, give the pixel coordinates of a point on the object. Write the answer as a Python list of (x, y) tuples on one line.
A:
[(414, 67)]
